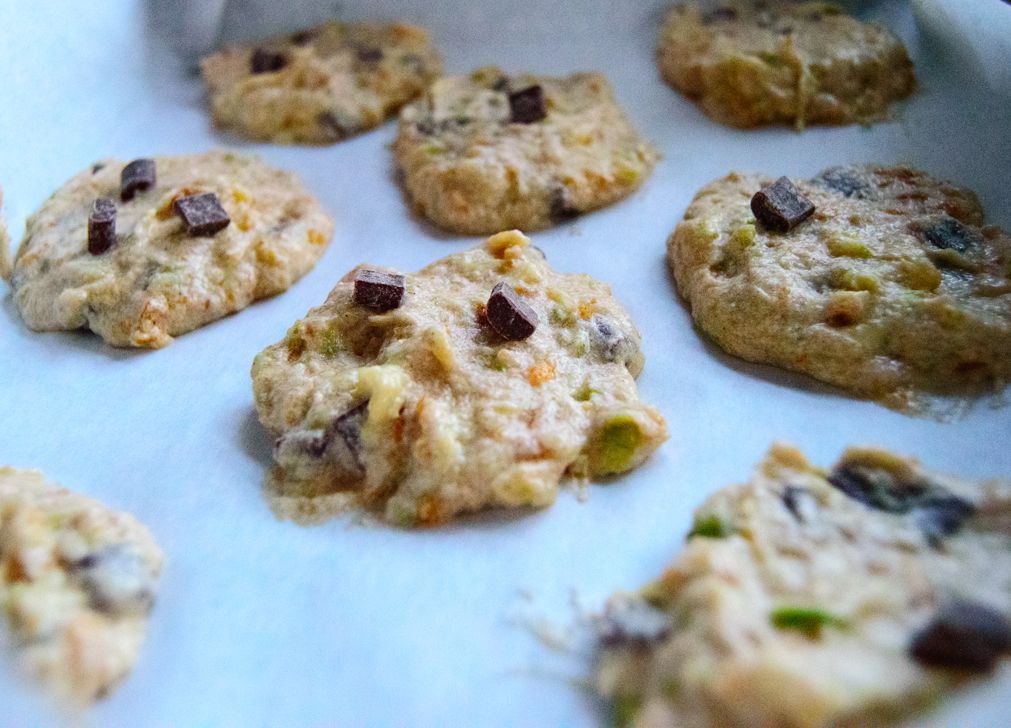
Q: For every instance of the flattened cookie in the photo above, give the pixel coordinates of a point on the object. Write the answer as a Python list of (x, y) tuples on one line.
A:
[(892, 288), (807, 598), (479, 381), (321, 85), (77, 581), (143, 252), (754, 63), (489, 152)]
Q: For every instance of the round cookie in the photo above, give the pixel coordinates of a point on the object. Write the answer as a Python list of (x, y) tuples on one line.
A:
[(422, 396), (169, 267), (774, 62), (854, 597), (77, 581), (893, 289), (321, 85), (490, 152)]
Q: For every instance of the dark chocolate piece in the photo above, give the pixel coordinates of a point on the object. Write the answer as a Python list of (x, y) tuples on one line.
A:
[(202, 215), (962, 635), (781, 206), (338, 443), (264, 61), (794, 499), (560, 210), (137, 176), (116, 580), (101, 226), (303, 37), (875, 487), (370, 55), (527, 105), (845, 182), (942, 515), (608, 341), (632, 621), (378, 291), (510, 315), (348, 427), (947, 233)]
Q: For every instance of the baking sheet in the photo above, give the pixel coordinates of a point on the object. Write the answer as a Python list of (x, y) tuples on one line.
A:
[(268, 623)]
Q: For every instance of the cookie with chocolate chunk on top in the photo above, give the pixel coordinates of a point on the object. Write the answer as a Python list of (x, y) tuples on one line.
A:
[(751, 63), (320, 85), (860, 595), (77, 581), (483, 380), (489, 152), (881, 280), (145, 251)]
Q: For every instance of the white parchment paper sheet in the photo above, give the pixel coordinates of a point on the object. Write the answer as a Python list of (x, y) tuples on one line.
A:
[(267, 623)]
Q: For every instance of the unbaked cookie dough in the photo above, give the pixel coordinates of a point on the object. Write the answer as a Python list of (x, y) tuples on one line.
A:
[(804, 598), (490, 152), (479, 381), (77, 581), (754, 63), (894, 288), (143, 252), (321, 85)]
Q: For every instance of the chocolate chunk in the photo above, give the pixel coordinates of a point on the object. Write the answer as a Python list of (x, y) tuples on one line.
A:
[(632, 621), (101, 226), (370, 55), (137, 176), (116, 580), (963, 635), (378, 291), (942, 515), (608, 341), (947, 233), (264, 61), (781, 206), (720, 14), (348, 427), (339, 443), (303, 37), (527, 105), (510, 315), (202, 214), (560, 209), (845, 182), (875, 487), (798, 501)]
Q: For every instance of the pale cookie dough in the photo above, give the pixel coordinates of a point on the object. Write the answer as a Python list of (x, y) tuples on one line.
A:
[(803, 598), (894, 289), (425, 411), (320, 85), (77, 581), (754, 63), (470, 167), (157, 281)]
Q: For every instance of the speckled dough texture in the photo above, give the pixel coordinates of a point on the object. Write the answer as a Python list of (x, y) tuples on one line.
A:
[(895, 289), (754, 63), (470, 169), (425, 412), (157, 281), (321, 85), (77, 581), (795, 605)]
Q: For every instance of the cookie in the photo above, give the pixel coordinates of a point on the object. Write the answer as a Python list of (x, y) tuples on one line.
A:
[(77, 581), (894, 288), (781, 62), (480, 381), (143, 252), (320, 85), (850, 597), (490, 152)]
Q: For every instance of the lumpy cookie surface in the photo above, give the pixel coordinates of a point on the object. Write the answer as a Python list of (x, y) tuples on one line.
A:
[(77, 581), (426, 411), (754, 63), (851, 597), (490, 152), (320, 85), (894, 289), (157, 280)]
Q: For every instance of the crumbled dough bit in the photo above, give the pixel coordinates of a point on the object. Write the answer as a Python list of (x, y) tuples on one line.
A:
[(855, 596), (774, 62), (151, 269), (425, 410), (894, 288), (490, 152), (321, 85), (77, 581)]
